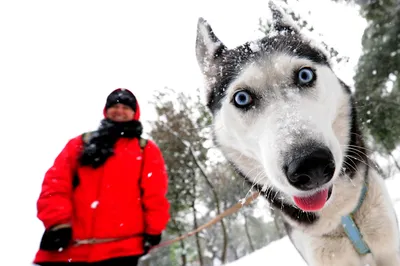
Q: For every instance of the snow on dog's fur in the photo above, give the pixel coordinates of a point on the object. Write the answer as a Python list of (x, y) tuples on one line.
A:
[(288, 125)]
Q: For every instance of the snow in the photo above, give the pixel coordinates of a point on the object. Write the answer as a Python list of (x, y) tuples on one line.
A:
[(282, 251), (255, 47), (94, 204)]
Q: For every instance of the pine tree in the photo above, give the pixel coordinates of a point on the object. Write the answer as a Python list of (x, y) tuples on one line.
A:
[(181, 132), (377, 78)]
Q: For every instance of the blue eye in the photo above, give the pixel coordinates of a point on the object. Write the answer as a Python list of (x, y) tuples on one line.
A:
[(242, 99), (305, 76)]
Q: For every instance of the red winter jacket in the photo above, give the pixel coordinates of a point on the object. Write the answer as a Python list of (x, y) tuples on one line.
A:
[(107, 203)]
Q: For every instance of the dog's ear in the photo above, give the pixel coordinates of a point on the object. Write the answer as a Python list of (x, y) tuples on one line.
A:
[(209, 49), (281, 22)]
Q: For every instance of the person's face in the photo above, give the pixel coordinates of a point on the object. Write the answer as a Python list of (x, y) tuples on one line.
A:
[(120, 113)]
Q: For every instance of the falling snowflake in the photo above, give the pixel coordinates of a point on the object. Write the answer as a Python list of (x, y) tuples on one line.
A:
[(94, 204)]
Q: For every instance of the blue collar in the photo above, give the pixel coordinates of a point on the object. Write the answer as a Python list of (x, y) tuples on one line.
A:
[(351, 228)]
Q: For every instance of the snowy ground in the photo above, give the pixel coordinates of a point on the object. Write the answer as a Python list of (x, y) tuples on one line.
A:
[(282, 252)]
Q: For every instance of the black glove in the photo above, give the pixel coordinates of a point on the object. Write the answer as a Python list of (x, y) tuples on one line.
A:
[(150, 241), (56, 239)]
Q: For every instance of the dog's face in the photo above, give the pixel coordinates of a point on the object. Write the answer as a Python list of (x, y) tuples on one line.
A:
[(281, 116)]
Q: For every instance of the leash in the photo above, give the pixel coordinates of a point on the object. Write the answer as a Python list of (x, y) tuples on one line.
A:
[(351, 229), (92, 241), (231, 210), (347, 221)]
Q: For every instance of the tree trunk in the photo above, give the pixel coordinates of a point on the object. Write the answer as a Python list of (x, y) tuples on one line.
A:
[(389, 152), (217, 203), (394, 160), (183, 254), (234, 251), (196, 225), (215, 194), (380, 170), (246, 227), (182, 244)]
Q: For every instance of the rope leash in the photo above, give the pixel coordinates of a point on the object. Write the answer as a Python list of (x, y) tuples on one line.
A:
[(218, 218)]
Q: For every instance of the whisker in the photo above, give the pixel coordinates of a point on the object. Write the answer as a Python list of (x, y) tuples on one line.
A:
[(357, 148), (350, 166), (361, 161), (351, 181)]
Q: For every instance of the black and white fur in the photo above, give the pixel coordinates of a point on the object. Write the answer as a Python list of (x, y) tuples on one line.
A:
[(284, 119)]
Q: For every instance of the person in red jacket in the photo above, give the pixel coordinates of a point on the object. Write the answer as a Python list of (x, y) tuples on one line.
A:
[(103, 202)]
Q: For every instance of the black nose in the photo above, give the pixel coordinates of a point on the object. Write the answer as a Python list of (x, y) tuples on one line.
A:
[(311, 171)]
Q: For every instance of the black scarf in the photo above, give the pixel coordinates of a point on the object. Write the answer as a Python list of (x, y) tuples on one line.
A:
[(101, 143)]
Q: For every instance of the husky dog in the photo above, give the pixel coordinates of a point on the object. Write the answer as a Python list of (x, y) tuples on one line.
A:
[(288, 125)]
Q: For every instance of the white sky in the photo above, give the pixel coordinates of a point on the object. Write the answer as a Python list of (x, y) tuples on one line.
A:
[(60, 59)]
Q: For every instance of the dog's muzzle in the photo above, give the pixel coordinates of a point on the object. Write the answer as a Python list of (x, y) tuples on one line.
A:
[(310, 168)]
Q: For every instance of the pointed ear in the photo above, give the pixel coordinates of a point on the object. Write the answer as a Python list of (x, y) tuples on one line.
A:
[(208, 48), (281, 21)]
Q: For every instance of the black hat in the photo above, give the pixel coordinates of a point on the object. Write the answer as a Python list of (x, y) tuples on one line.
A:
[(122, 96)]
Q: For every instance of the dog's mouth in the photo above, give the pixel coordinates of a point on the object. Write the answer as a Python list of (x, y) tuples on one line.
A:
[(314, 202)]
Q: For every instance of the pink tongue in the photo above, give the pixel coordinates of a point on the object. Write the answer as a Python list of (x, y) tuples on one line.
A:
[(312, 203)]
